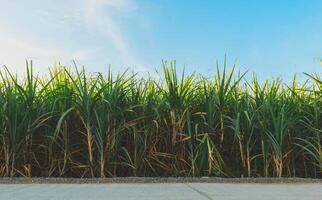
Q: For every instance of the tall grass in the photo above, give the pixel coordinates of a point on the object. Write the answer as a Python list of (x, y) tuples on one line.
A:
[(76, 124)]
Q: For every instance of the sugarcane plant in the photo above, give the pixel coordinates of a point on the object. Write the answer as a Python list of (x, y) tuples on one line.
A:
[(77, 124)]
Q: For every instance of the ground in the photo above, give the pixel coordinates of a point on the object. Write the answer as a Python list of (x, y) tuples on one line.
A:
[(162, 191)]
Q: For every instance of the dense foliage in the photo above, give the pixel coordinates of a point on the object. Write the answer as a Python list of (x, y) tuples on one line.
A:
[(74, 124)]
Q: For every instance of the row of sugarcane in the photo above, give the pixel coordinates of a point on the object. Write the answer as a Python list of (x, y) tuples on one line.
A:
[(76, 124)]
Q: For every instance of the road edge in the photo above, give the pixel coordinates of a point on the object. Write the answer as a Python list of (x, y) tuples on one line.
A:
[(43, 180)]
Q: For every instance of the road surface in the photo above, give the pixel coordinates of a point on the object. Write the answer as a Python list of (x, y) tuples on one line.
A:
[(162, 191)]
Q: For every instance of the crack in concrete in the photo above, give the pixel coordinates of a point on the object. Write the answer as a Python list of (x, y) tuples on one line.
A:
[(199, 192)]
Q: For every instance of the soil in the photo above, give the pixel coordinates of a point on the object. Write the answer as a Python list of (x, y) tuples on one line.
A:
[(40, 180)]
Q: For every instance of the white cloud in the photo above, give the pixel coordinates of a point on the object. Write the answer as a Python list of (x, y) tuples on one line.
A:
[(20, 43), (14, 52), (120, 4), (96, 13)]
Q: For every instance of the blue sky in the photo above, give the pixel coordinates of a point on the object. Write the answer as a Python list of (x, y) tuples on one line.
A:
[(270, 38)]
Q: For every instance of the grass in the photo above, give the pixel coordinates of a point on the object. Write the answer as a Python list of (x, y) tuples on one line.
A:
[(75, 124)]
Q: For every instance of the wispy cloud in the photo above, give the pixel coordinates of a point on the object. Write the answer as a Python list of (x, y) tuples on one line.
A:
[(88, 16), (97, 13), (14, 51)]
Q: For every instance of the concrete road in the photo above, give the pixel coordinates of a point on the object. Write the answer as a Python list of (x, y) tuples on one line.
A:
[(161, 191)]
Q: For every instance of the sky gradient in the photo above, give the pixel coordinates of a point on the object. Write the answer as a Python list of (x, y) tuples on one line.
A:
[(270, 38)]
